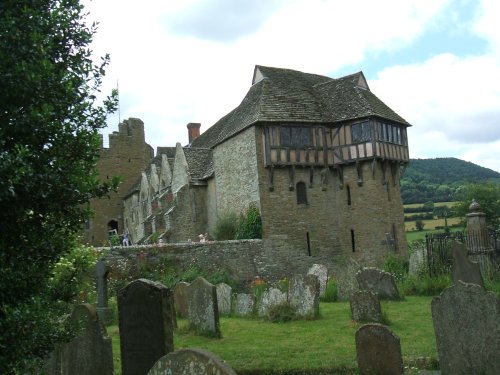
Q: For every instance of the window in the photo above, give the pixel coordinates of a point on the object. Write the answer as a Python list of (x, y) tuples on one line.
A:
[(353, 241), (301, 193), (297, 137), (390, 133), (348, 195), (361, 132)]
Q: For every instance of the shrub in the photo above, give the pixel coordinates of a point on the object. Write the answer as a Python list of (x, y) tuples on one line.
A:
[(331, 291), (249, 225), (226, 227), (282, 313), (396, 266)]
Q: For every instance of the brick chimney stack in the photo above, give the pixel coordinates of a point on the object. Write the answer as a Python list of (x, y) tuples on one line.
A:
[(193, 130)]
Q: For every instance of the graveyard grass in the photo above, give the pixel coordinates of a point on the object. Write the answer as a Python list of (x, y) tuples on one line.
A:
[(255, 346)]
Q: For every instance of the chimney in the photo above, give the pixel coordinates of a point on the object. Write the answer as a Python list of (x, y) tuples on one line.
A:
[(193, 130)]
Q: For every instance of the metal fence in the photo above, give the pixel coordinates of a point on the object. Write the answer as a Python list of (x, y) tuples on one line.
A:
[(440, 258)]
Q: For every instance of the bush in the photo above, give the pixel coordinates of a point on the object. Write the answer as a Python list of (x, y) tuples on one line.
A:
[(226, 227), (396, 266), (249, 225), (282, 313), (331, 291)]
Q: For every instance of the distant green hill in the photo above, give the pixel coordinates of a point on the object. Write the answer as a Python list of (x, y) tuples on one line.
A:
[(438, 179)]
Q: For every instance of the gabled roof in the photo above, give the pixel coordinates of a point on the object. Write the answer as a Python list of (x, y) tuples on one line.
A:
[(285, 95), (200, 162)]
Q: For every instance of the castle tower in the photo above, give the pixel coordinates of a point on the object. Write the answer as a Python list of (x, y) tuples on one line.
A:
[(127, 155)]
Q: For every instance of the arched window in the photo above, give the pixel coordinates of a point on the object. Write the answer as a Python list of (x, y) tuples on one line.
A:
[(301, 193)]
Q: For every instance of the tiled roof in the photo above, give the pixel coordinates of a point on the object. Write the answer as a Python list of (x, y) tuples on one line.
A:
[(200, 162), (284, 95)]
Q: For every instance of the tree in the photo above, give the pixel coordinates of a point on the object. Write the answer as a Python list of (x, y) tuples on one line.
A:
[(419, 224), (487, 195), (49, 142)]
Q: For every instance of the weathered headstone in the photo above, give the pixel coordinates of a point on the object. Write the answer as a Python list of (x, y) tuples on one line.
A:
[(146, 332), (303, 295), (378, 351), (271, 298), (346, 280), (417, 261), (104, 313), (379, 282), (89, 353), (180, 299), (365, 307), (191, 362), (245, 304), (203, 312), (463, 268), (224, 296), (467, 326), (321, 272)]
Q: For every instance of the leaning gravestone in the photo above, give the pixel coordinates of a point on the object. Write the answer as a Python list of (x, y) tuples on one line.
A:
[(321, 272), (346, 280), (146, 332), (379, 282), (463, 268), (270, 298), (378, 351), (467, 326), (245, 304), (303, 295), (417, 261), (104, 313), (202, 308), (224, 295), (90, 352), (191, 362), (180, 299), (365, 307)]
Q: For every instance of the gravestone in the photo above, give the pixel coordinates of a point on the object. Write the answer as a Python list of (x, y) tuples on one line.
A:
[(467, 327), (203, 312), (321, 272), (89, 353), (271, 298), (346, 280), (146, 332), (104, 313), (303, 295), (463, 268), (417, 261), (365, 307), (378, 350), (191, 362), (245, 304), (224, 295), (180, 299), (379, 282)]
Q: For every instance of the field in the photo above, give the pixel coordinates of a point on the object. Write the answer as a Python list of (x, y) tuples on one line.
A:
[(323, 346)]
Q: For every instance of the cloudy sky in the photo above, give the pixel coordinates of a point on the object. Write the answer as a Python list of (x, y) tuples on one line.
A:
[(435, 62)]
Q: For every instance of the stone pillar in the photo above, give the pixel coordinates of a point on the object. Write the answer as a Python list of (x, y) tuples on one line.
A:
[(478, 239)]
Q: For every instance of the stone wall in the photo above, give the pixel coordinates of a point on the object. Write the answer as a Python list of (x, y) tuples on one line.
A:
[(128, 154)]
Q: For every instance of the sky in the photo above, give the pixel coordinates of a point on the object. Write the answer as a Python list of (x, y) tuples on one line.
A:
[(435, 62)]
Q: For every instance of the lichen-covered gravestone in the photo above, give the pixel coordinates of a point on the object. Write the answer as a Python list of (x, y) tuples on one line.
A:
[(270, 298), (346, 280), (104, 313), (379, 282), (365, 307), (463, 268), (146, 332), (303, 295), (90, 352), (245, 304), (378, 351), (224, 295), (180, 299), (203, 312), (467, 326), (191, 362), (321, 272), (417, 261)]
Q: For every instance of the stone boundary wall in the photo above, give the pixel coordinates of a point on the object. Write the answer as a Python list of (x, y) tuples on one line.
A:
[(245, 259)]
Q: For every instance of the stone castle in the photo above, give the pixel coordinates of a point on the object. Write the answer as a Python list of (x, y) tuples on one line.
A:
[(319, 157)]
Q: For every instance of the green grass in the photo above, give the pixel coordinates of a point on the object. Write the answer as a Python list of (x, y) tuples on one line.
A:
[(437, 204), (323, 346)]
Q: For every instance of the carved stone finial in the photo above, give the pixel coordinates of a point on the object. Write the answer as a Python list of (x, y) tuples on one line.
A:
[(474, 207)]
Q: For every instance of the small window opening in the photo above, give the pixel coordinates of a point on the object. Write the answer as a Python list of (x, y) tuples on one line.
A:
[(348, 195), (301, 193), (308, 244), (353, 242)]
